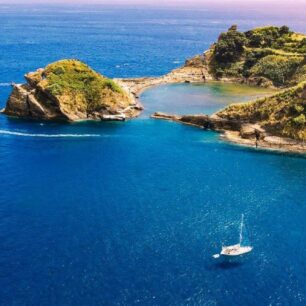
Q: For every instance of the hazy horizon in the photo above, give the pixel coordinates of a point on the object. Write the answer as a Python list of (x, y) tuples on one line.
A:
[(294, 4)]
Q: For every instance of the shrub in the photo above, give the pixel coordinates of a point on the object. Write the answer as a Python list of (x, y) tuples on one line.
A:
[(79, 82), (284, 30), (59, 70), (302, 46), (267, 36), (253, 56), (277, 68), (230, 46), (299, 120), (256, 40)]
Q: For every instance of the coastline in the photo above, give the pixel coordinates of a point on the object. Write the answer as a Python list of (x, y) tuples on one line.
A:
[(239, 134), (136, 86), (197, 74), (271, 143), (184, 74)]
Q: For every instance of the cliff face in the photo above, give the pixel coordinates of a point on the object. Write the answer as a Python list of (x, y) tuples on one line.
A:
[(70, 90)]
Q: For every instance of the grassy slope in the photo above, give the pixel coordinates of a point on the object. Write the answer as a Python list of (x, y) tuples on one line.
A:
[(270, 52), (79, 88), (283, 114), (277, 55)]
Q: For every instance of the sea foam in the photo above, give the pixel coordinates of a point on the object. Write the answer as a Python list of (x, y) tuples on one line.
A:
[(4, 132)]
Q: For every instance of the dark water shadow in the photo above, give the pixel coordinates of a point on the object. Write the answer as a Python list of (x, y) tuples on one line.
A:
[(226, 265)]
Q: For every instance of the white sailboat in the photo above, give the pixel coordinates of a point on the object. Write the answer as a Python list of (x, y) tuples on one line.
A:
[(236, 249)]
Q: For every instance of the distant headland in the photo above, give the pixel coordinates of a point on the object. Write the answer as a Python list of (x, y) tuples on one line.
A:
[(272, 57)]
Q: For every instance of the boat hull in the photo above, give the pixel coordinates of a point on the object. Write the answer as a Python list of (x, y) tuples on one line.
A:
[(235, 250)]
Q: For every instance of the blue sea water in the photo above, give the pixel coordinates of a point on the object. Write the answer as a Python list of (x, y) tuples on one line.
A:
[(131, 213)]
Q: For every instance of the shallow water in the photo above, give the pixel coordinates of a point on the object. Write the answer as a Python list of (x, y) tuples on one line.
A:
[(196, 98), (131, 213)]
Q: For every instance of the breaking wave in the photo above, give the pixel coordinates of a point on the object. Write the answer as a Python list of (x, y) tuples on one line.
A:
[(4, 132)]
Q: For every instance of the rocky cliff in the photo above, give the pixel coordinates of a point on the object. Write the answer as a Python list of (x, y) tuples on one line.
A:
[(70, 90)]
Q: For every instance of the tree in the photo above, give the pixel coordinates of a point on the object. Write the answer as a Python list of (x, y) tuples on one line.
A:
[(256, 40), (230, 46), (284, 30)]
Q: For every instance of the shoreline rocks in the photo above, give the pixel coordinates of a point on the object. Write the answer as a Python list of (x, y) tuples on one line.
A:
[(185, 74), (238, 132)]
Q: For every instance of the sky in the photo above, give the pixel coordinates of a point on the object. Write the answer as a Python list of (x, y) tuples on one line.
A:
[(267, 3), (266, 6)]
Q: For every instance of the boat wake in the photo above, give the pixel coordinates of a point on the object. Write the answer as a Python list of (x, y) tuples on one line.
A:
[(5, 84), (4, 132)]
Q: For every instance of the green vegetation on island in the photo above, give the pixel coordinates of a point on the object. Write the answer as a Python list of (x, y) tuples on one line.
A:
[(79, 86), (77, 77), (273, 55), (70, 90), (282, 114)]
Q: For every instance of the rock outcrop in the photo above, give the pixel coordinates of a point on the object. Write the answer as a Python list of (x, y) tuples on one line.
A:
[(69, 90)]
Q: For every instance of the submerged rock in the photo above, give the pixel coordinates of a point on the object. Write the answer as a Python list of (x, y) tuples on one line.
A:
[(70, 90)]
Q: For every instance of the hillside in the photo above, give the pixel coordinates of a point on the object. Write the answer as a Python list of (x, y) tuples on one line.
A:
[(267, 56), (70, 90), (283, 114)]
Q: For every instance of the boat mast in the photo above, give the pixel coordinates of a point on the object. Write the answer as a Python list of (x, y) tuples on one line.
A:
[(241, 227)]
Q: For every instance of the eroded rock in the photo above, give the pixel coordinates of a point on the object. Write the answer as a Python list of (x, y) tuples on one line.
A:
[(70, 90)]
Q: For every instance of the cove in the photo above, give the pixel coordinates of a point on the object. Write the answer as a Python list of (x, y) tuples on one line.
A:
[(134, 215)]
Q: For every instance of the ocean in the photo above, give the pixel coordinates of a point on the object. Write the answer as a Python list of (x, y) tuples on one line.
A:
[(131, 213)]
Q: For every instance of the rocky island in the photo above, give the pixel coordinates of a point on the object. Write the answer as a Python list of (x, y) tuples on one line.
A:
[(69, 90), (272, 57)]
